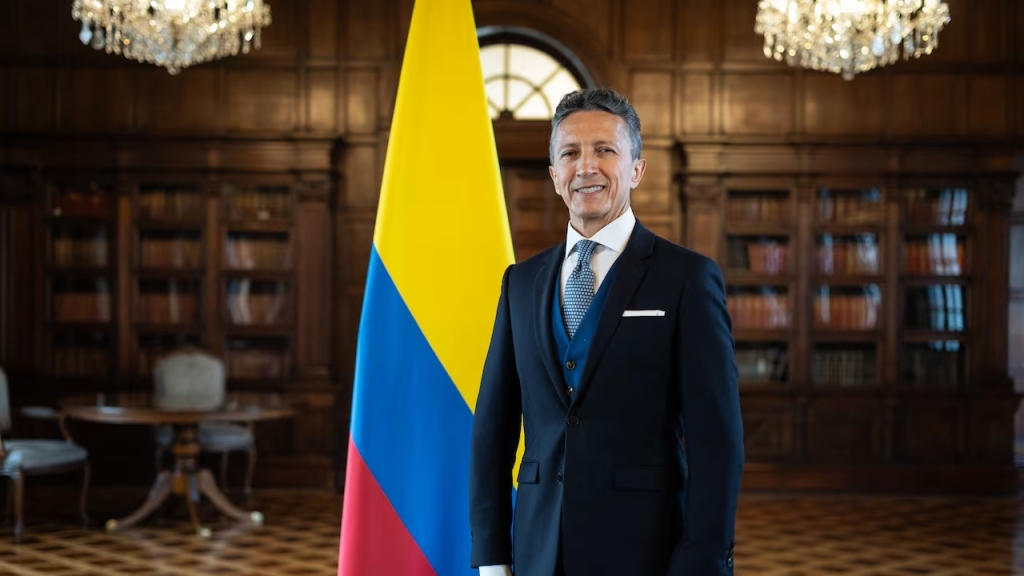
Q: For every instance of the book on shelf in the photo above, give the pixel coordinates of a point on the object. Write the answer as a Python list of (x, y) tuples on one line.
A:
[(847, 256), (843, 368), (171, 251), (935, 255), (170, 203), (252, 302), (759, 311), (845, 311), (80, 248), (757, 207), (256, 252), (759, 256), (765, 365), (850, 207), (260, 203), (942, 207)]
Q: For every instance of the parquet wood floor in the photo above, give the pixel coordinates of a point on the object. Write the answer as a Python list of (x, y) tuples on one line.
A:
[(776, 536)]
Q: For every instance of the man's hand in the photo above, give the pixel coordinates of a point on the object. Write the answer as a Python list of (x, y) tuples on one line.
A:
[(504, 570)]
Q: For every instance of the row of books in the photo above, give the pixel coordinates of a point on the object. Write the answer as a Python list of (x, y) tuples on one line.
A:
[(758, 256), (81, 250), (762, 365), (925, 368), (178, 203), (260, 253), (843, 368), (938, 254), (257, 363), (759, 311), (81, 306), (770, 207), (944, 206), (258, 203), (848, 256), (84, 361), (935, 307), (171, 307), (81, 203), (847, 311), (851, 207), (176, 252), (256, 302)]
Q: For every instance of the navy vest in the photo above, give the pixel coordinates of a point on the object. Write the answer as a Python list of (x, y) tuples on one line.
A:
[(573, 353)]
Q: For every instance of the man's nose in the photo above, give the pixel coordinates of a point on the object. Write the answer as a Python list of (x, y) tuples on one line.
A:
[(587, 164)]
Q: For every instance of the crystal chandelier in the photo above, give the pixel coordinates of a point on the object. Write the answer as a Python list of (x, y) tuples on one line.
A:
[(849, 36), (174, 34)]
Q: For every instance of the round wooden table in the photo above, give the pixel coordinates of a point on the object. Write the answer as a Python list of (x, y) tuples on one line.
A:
[(186, 478)]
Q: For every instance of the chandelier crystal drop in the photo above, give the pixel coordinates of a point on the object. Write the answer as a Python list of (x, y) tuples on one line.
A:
[(848, 37), (174, 34)]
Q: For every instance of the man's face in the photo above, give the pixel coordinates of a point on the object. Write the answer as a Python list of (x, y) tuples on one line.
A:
[(593, 168)]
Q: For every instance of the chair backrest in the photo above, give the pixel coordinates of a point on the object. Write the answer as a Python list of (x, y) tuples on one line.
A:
[(5, 404), (188, 380)]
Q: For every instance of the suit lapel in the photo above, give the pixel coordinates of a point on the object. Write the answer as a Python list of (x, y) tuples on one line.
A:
[(631, 269), (544, 289)]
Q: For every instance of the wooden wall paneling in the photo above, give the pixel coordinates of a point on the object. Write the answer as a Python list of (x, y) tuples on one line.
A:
[(990, 434), (694, 104), (987, 105), (98, 100), (832, 105), (322, 19), (314, 290), (362, 99), (768, 429), (323, 96), (654, 194), (703, 201), (1016, 40), (700, 30), (537, 215), (595, 14), (651, 94), (929, 104), (262, 100), (992, 268), (987, 33), (362, 189), (369, 34), (954, 40), (645, 33), (843, 430), (38, 25), (282, 39), (927, 430), (33, 98), (8, 120), (183, 103), (741, 42), (758, 103)]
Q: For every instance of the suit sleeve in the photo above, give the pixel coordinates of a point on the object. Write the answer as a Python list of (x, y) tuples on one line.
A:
[(711, 425), (495, 438)]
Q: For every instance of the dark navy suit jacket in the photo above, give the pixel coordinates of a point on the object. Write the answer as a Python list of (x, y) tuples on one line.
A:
[(639, 473)]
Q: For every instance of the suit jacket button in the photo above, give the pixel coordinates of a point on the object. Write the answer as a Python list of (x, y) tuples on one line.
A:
[(570, 390), (571, 364), (559, 477), (573, 421)]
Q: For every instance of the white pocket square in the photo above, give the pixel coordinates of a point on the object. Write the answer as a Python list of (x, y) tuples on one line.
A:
[(629, 313)]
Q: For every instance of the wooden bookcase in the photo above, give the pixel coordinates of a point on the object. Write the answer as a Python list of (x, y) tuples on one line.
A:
[(869, 314), (224, 245)]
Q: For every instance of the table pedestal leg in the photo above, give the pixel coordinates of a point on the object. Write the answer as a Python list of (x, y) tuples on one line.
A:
[(187, 481)]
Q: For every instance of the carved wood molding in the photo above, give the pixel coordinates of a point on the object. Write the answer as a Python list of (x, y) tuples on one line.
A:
[(315, 191)]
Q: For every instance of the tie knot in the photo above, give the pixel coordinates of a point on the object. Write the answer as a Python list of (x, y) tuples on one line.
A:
[(586, 250)]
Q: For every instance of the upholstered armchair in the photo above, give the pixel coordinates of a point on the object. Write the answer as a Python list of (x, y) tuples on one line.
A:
[(192, 379), (21, 458)]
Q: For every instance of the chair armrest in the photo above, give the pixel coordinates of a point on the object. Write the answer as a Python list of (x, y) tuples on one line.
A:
[(47, 413), (39, 412)]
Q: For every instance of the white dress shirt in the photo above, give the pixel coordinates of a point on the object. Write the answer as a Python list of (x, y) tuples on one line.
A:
[(611, 241)]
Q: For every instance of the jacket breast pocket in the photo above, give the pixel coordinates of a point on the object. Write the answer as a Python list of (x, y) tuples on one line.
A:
[(645, 478), (529, 473)]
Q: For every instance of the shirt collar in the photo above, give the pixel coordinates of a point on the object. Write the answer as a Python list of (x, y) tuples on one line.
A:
[(613, 236)]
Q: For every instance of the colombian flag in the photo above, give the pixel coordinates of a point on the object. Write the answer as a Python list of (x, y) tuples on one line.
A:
[(440, 246)]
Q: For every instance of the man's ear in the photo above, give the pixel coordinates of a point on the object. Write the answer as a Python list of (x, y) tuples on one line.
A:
[(639, 167)]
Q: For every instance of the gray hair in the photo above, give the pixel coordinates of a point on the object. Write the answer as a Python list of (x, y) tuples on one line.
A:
[(605, 100)]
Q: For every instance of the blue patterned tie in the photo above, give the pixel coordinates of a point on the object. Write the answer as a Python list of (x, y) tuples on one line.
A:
[(579, 288)]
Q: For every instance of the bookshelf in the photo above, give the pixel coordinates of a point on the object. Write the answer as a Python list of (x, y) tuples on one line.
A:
[(867, 325), (80, 229)]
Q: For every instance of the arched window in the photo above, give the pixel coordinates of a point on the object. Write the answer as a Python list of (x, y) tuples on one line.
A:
[(523, 81)]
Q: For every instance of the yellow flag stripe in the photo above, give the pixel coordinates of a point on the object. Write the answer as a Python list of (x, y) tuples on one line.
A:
[(442, 227)]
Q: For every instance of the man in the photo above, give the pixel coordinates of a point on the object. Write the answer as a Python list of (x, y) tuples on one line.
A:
[(615, 348)]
